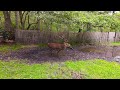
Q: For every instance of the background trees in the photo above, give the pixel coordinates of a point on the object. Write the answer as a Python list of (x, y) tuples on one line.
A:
[(58, 21), (61, 20)]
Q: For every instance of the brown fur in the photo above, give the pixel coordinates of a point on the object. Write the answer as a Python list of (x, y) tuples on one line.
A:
[(59, 46)]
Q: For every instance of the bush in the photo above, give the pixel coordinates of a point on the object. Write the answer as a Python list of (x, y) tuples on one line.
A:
[(10, 35)]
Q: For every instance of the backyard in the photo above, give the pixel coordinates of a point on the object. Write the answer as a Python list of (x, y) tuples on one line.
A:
[(59, 45), (35, 62)]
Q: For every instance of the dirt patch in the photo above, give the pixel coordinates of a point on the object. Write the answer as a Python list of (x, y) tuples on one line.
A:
[(92, 49), (39, 55)]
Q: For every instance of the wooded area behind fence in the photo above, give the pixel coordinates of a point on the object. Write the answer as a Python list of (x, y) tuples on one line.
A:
[(35, 36)]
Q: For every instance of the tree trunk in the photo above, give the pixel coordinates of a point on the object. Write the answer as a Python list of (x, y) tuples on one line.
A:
[(88, 26), (108, 37), (8, 23), (115, 36), (9, 30), (39, 24), (16, 19), (113, 12), (23, 16)]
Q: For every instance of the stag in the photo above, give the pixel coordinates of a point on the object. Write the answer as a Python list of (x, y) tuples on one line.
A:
[(59, 46)]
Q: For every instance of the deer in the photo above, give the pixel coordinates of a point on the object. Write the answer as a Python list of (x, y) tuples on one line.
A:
[(59, 46)]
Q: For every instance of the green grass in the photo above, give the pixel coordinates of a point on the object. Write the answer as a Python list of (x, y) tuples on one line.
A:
[(115, 44), (42, 45), (74, 43), (96, 69), (7, 48), (90, 69)]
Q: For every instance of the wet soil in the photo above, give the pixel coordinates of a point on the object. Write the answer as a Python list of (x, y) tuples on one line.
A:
[(39, 55)]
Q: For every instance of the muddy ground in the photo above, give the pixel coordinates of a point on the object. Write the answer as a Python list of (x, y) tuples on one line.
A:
[(38, 55)]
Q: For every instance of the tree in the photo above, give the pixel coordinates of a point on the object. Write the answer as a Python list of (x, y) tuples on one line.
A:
[(16, 19), (8, 23), (23, 16), (9, 30)]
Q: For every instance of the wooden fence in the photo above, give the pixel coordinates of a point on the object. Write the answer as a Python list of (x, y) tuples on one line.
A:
[(35, 37)]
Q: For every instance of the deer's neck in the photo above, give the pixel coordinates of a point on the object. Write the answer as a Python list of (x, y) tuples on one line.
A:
[(65, 45)]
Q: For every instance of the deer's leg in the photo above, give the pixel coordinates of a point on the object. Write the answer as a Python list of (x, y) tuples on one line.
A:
[(58, 52), (50, 51)]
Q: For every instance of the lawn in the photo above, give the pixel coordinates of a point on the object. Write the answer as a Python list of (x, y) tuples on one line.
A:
[(14, 47), (115, 44), (90, 69)]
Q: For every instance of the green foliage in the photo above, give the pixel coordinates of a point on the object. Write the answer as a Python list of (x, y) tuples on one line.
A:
[(90, 69), (115, 44), (10, 35), (70, 20)]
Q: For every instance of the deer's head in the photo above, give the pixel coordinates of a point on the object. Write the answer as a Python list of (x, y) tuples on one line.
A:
[(67, 45)]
